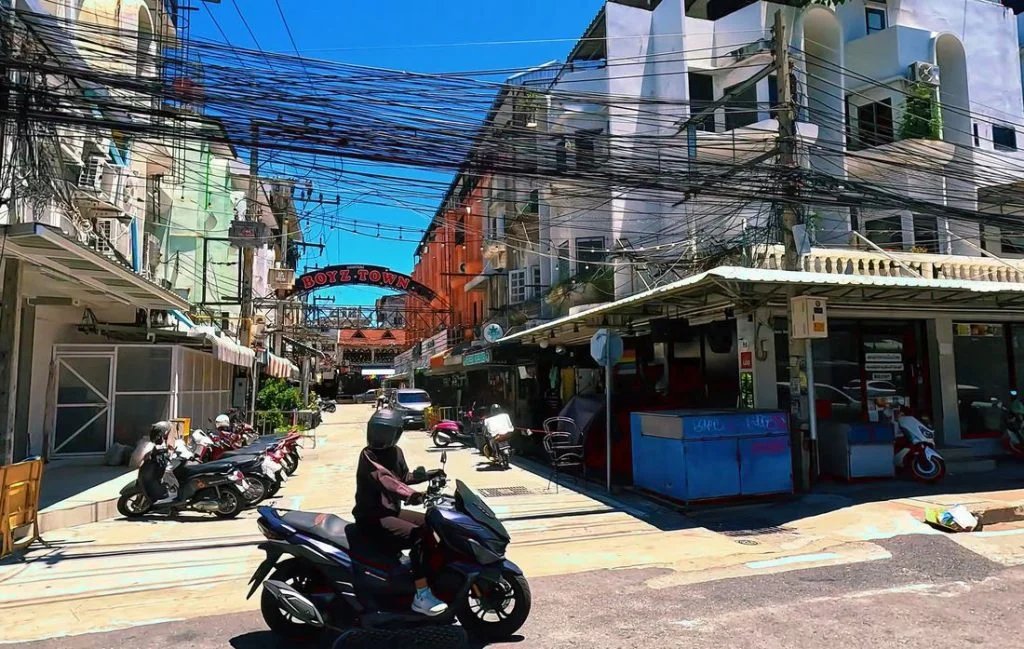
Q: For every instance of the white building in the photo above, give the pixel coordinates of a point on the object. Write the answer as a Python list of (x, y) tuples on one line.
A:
[(916, 105)]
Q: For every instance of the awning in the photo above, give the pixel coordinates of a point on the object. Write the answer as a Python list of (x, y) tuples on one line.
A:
[(81, 273), (279, 367), (377, 371), (437, 360), (224, 348), (713, 291)]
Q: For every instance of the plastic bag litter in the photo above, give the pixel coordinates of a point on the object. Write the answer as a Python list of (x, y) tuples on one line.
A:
[(953, 519)]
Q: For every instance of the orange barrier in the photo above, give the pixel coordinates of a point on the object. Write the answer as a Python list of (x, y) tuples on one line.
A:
[(19, 504)]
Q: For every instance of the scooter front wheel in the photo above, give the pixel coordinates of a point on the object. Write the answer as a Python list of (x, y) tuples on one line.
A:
[(498, 609), (298, 576), (231, 503), (928, 469)]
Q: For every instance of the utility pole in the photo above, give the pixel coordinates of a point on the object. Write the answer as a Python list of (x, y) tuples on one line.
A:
[(248, 252), (283, 262), (801, 394)]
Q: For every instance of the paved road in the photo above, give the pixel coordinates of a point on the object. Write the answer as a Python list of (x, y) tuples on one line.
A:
[(931, 594)]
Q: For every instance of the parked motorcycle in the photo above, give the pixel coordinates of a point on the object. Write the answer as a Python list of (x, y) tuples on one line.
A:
[(262, 464), (446, 432), (496, 428), (1013, 435), (215, 487), (915, 449), (334, 577), (327, 405)]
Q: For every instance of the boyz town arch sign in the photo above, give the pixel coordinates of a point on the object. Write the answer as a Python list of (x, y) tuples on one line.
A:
[(361, 275)]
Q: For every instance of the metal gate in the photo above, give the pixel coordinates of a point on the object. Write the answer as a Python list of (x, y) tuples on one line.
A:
[(83, 421)]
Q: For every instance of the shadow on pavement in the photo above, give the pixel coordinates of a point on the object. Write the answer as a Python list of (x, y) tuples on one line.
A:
[(267, 640), (766, 517)]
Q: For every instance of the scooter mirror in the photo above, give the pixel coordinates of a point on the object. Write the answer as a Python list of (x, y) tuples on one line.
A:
[(444, 457), (1013, 393)]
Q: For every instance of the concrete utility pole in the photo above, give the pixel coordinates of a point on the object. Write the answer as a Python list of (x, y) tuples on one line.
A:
[(283, 263), (248, 252), (801, 397)]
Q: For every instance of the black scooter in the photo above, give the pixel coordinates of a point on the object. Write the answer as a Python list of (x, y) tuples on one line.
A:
[(215, 487), (335, 577)]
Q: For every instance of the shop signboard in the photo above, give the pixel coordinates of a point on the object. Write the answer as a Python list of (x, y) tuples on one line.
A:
[(477, 358)]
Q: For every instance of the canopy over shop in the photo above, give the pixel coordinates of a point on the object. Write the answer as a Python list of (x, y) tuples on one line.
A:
[(719, 339)]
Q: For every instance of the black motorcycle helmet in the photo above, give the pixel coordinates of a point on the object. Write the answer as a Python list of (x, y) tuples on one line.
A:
[(383, 430), (495, 409), (159, 431)]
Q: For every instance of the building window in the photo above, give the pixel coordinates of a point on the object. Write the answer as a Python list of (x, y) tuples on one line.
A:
[(875, 18), (886, 232), (702, 96), (590, 256), (535, 286), (586, 150), (1004, 138), (984, 371), (517, 286), (563, 269), (926, 233), (741, 109), (561, 157), (874, 124)]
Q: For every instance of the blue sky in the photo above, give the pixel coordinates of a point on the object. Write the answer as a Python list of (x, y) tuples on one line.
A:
[(419, 36)]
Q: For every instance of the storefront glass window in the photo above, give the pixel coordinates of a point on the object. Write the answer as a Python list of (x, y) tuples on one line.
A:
[(837, 391), (982, 374)]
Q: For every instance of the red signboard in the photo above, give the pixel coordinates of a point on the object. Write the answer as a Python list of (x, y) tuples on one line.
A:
[(746, 360), (350, 274)]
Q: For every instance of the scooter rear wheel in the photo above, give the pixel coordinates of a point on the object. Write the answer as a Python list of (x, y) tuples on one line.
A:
[(929, 470), (231, 503), (440, 439)]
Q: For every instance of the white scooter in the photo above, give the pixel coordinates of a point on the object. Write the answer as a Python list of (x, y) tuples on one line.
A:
[(915, 449)]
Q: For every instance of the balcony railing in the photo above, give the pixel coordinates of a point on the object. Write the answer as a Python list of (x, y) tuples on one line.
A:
[(850, 261)]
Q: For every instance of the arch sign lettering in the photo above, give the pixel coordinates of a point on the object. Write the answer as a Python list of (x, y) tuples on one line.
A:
[(358, 274)]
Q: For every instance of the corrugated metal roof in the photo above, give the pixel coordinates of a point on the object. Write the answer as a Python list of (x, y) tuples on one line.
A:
[(779, 277)]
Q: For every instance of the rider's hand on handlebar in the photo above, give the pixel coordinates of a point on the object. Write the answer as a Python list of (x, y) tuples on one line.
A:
[(415, 499)]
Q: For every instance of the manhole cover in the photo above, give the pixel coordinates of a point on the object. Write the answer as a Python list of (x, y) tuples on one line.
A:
[(747, 542), (499, 492)]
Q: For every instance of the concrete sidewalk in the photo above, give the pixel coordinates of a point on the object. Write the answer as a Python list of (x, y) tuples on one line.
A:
[(95, 576)]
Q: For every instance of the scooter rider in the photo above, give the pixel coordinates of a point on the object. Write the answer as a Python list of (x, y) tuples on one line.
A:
[(382, 484)]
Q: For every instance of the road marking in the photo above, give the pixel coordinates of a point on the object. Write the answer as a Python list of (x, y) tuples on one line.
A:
[(799, 558)]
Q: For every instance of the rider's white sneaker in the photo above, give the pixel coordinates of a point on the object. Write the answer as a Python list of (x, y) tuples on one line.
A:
[(425, 603)]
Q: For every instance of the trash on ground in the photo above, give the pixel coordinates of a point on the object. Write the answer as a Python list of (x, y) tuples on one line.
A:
[(952, 519)]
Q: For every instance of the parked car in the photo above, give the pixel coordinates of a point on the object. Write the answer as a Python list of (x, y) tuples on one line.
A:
[(367, 397), (346, 398), (410, 403)]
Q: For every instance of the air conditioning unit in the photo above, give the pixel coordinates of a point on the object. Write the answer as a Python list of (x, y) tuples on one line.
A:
[(91, 176), (924, 72), (110, 234)]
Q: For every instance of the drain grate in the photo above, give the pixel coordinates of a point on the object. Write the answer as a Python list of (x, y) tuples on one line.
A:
[(758, 531), (500, 492)]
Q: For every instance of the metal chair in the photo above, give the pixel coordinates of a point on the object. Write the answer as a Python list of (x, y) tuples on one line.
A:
[(563, 443)]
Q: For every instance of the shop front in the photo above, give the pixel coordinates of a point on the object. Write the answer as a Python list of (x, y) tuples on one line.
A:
[(940, 348)]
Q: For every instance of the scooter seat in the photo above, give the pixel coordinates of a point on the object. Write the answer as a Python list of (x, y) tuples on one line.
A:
[(217, 466), (326, 527)]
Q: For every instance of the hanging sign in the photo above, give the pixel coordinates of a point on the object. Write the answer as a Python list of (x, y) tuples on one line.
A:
[(478, 358), (493, 332), (353, 274)]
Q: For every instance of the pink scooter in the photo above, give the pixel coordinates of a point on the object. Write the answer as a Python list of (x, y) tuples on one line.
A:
[(448, 431)]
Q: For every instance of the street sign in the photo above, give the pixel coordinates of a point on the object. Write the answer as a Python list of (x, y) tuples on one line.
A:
[(606, 347)]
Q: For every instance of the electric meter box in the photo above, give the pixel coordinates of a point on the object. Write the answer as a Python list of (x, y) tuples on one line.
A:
[(810, 318)]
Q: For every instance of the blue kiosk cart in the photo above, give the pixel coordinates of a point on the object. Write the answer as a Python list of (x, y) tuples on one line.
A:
[(691, 455)]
